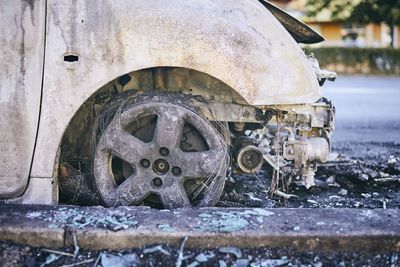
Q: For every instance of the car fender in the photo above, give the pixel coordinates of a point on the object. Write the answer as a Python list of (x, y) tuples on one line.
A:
[(92, 42)]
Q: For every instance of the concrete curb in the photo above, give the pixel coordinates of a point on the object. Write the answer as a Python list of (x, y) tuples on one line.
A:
[(98, 228)]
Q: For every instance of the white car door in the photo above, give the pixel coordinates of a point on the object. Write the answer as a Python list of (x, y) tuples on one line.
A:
[(22, 33)]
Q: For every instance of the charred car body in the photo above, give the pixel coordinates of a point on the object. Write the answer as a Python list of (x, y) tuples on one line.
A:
[(132, 102)]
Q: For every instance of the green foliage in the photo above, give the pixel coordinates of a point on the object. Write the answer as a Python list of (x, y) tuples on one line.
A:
[(359, 11), (358, 60), (339, 9)]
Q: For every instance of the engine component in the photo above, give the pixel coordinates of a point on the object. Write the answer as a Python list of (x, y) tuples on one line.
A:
[(250, 159), (303, 150), (292, 143)]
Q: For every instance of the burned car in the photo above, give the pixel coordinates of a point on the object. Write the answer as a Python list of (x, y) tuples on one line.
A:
[(154, 102)]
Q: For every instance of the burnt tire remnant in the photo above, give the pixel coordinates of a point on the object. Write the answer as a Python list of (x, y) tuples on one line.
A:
[(159, 152)]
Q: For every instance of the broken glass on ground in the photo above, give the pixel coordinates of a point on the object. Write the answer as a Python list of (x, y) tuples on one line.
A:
[(231, 221), (76, 218)]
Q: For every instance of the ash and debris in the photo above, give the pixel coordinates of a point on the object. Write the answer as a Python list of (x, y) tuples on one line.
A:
[(163, 255), (358, 175)]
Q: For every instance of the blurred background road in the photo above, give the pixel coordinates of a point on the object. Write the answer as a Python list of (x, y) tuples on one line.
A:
[(367, 108)]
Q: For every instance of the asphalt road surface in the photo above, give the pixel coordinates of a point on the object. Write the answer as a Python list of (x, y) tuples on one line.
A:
[(368, 108)]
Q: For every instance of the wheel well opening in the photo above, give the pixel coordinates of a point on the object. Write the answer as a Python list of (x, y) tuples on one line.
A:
[(76, 145)]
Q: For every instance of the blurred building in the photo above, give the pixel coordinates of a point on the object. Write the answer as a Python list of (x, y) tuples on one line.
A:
[(341, 33)]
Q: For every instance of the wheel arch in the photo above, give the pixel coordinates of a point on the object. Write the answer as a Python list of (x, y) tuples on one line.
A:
[(148, 82), (75, 130), (76, 142)]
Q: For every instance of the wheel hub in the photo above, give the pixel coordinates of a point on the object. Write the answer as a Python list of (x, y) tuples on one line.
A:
[(161, 166)]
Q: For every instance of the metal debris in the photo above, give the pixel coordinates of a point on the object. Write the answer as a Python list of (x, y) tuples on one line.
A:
[(97, 260), (384, 203), (392, 160), (252, 197), (194, 264), (78, 263), (76, 250), (204, 257), (128, 260), (33, 214), (158, 248), (312, 202), (50, 259), (241, 263), (231, 250), (271, 262), (384, 174), (388, 179), (284, 195), (180, 254), (58, 252), (394, 260)]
